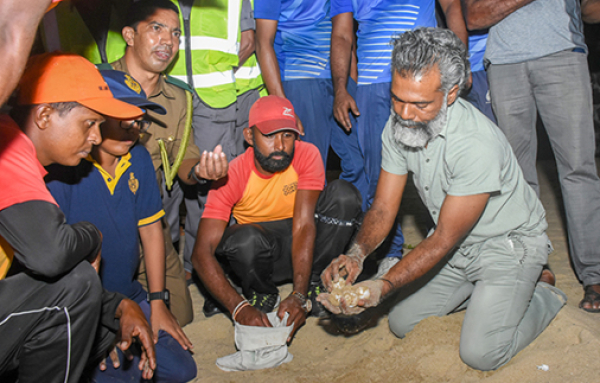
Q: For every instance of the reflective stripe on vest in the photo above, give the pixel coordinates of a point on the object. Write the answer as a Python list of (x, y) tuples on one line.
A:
[(210, 80)]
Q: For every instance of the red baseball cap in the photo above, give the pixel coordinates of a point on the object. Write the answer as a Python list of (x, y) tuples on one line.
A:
[(65, 77), (272, 114)]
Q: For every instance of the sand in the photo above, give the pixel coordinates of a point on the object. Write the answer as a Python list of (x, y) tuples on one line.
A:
[(570, 346)]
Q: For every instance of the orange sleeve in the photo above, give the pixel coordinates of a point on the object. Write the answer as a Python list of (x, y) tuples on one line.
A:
[(226, 192), (309, 166)]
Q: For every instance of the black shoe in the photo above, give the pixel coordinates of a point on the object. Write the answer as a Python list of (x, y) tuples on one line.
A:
[(264, 302), (211, 307), (318, 310)]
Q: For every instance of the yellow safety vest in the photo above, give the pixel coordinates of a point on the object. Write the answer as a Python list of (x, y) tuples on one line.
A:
[(63, 29), (214, 35)]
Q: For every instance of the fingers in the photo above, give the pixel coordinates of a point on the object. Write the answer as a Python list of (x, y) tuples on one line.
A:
[(323, 298), (114, 357), (178, 334), (213, 165), (345, 309), (144, 366), (353, 273), (102, 365), (251, 316), (147, 342), (342, 106), (125, 340), (332, 273), (341, 115), (354, 108)]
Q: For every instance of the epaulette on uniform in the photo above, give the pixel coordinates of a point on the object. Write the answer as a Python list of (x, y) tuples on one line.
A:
[(181, 84)]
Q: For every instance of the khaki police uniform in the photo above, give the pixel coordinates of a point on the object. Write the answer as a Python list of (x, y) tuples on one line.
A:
[(171, 94)]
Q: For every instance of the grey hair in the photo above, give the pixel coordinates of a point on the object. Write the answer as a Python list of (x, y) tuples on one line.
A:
[(416, 52)]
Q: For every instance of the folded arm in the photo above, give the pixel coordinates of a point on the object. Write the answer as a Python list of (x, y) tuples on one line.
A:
[(43, 241), (482, 14)]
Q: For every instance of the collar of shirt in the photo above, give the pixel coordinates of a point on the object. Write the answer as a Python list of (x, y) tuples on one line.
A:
[(161, 86)]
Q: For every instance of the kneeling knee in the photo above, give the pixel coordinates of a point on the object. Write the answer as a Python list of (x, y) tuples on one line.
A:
[(84, 283), (482, 360), (185, 371), (343, 196), (399, 328)]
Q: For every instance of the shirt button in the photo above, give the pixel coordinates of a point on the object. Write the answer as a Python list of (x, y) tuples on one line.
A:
[(434, 212), (427, 160), (426, 188)]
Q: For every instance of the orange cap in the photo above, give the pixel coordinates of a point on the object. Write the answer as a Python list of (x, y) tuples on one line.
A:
[(65, 77), (53, 4)]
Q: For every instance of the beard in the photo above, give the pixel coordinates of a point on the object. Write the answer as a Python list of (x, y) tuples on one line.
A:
[(417, 134), (272, 165)]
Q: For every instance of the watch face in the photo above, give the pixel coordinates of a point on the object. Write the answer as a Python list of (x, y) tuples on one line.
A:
[(308, 305)]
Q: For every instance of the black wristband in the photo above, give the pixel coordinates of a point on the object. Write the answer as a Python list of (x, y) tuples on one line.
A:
[(162, 295), (192, 174)]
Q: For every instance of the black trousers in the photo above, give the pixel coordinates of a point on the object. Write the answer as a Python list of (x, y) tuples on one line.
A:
[(47, 327), (260, 254)]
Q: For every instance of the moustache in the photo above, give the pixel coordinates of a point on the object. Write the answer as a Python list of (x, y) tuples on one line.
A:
[(408, 123)]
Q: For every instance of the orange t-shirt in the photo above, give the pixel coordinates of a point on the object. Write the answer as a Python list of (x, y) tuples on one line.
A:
[(253, 197)]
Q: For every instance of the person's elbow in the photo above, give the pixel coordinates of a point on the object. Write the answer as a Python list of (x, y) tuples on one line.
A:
[(51, 264)]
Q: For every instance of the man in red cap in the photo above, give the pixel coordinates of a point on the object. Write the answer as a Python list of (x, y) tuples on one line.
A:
[(51, 299), (288, 228)]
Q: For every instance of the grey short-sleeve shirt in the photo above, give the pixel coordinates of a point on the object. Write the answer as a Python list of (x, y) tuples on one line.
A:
[(470, 156)]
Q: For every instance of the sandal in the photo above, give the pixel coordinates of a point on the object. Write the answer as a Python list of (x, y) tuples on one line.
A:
[(590, 296)]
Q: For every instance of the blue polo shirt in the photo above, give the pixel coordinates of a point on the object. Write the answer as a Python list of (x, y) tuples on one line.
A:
[(379, 21), (303, 36), (117, 207)]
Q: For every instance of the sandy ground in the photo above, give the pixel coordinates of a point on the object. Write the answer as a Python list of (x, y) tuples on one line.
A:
[(570, 347)]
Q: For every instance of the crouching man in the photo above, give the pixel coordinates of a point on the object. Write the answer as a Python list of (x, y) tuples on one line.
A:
[(489, 245), (287, 228), (51, 299)]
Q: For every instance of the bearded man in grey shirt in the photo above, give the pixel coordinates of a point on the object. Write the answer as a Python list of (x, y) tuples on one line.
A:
[(488, 247)]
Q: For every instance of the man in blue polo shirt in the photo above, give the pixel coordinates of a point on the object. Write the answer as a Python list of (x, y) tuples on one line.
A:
[(115, 188), (378, 22), (292, 45)]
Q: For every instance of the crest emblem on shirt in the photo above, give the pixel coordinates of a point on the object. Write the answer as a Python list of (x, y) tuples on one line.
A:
[(134, 184), (288, 112), (291, 188), (132, 84)]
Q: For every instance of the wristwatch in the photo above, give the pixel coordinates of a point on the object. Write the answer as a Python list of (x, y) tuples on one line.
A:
[(163, 295), (305, 303)]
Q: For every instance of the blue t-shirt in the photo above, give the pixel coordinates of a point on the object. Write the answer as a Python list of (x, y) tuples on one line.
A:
[(117, 207), (379, 21), (477, 43), (303, 36)]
